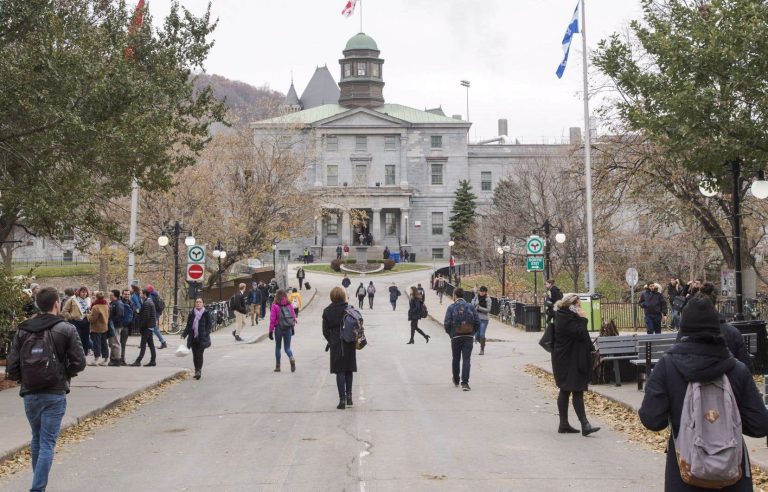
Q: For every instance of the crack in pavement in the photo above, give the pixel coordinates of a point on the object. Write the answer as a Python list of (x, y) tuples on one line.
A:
[(367, 451)]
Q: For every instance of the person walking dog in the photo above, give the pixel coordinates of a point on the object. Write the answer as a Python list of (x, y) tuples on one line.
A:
[(198, 334)]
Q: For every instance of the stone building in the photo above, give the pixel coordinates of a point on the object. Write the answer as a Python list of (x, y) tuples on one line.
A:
[(385, 169)]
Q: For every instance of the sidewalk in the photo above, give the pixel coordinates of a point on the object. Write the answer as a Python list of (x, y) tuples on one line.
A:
[(526, 345)]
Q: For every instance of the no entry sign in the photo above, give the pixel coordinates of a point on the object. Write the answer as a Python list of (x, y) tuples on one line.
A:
[(195, 272)]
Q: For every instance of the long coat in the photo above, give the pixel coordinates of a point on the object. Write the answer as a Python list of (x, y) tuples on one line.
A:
[(343, 354), (204, 327), (571, 360)]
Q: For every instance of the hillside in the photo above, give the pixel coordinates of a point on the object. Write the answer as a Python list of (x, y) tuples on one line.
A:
[(246, 102)]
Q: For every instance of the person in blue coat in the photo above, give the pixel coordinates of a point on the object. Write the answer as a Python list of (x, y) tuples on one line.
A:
[(198, 334), (254, 302)]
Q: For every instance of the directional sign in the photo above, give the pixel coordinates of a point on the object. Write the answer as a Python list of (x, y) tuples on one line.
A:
[(535, 264), (195, 272), (631, 277), (196, 254), (534, 245)]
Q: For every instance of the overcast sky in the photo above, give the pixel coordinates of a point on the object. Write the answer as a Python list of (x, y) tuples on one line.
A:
[(508, 49)]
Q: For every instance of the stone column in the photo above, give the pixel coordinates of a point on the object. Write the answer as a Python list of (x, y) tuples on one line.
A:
[(403, 167), (346, 231), (405, 236), (376, 226)]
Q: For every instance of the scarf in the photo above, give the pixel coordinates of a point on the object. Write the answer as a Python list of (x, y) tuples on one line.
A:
[(196, 322)]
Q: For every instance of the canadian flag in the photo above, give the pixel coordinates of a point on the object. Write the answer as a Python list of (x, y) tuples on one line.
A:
[(349, 8)]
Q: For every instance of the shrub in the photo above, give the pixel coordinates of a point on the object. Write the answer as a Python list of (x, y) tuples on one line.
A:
[(388, 264), (336, 265)]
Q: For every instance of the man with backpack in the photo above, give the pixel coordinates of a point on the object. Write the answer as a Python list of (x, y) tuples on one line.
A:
[(45, 354), (709, 398), (117, 320), (238, 304), (654, 307), (159, 304), (461, 323), (394, 293)]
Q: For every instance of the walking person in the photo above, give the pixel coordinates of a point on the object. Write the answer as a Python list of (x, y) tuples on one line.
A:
[(198, 334), (296, 301), (45, 399), (76, 312), (343, 354), (482, 304), (361, 292), (416, 311), (371, 292), (346, 282), (440, 287), (282, 326), (422, 293), (571, 362), (116, 318), (552, 295), (239, 306), (264, 297), (300, 276), (461, 323), (159, 304), (394, 293), (703, 357), (254, 303), (145, 321), (98, 321), (654, 307)]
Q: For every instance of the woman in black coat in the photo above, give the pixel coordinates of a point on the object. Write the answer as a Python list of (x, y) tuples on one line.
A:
[(343, 354), (700, 355), (571, 362), (198, 334), (414, 314)]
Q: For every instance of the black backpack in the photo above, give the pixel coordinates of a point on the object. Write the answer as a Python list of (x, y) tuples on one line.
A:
[(159, 303), (40, 365), (423, 313)]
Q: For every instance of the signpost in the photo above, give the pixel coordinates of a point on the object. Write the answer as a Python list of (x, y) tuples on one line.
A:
[(632, 277), (534, 247), (535, 263)]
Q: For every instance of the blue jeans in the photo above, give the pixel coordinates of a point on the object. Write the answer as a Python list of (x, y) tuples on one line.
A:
[(157, 333), (462, 352), (44, 413), (483, 326), (652, 323), (283, 336)]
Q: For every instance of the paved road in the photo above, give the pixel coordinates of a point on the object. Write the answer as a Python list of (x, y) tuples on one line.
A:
[(244, 428)]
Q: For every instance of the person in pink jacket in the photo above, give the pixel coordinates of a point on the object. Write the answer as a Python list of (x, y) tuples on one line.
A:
[(282, 323)]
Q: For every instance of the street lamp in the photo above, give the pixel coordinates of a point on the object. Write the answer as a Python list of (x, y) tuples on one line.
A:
[(219, 254), (503, 251), (274, 258), (406, 228), (559, 237), (450, 258), (164, 240), (465, 84)]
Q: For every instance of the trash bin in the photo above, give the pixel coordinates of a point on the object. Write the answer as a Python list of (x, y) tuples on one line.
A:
[(310, 258), (758, 327), (395, 256), (591, 306), (532, 318), (411, 257)]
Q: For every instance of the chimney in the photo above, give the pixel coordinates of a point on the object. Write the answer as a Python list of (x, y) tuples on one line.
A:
[(575, 133), (503, 132), (456, 117)]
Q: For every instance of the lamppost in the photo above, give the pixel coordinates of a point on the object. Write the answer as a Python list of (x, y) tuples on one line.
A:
[(406, 228), (451, 267), (274, 258), (503, 251), (175, 231), (465, 83), (219, 254), (559, 237), (315, 230)]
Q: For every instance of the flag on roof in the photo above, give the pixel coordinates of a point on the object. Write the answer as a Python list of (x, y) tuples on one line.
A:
[(349, 8), (573, 28)]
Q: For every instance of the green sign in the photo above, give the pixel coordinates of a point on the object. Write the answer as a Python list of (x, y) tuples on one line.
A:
[(535, 264), (534, 245)]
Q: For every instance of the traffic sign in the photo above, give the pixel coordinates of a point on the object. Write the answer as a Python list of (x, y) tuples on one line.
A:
[(631, 277), (195, 272), (534, 245), (535, 264), (196, 254)]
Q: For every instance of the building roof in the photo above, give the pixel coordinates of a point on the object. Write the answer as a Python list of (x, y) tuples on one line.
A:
[(321, 89), (361, 41), (438, 111), (318, 113), (291, 99)]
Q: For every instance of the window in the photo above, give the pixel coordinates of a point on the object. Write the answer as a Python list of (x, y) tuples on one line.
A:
[(361, 143), (375, 69), (390, 142), (361, 69), (67, 256), (389, 175), (332, 175), (486, 183), (332, 143), (332, 226), (437, 224), (437, 253), (437, 174), (347, 70), (390, 226), (437, 141), (361, 175)]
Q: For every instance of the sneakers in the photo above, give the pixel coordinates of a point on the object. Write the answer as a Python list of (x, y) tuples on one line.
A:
[(150, 364), (93, 362), (163, 345), (103, 362), (465, 387), (114, 363), (293, 365), (456, 383)]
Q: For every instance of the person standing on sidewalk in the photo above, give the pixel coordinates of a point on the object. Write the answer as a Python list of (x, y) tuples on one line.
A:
[(346, 282), (571, 362), (371, 292), (482, 304), (552, 295), (116, 316), (98, 320), (654, 307), (361, 293), (145, 321), (254, 303), (198, 334), (300, 276), (461, 323), (159, 304), (127, 323), (45, 395), (239, 305), (75, 311), (416, 311), (343, 354), (394, 293), (296, 301), (338, 252), (282, 326)]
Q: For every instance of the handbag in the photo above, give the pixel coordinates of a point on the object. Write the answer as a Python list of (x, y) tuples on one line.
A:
[(183, 350), (361, 342), (547, 341)]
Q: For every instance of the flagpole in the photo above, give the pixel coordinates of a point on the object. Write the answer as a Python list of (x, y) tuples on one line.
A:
[(587, 154), (361, 15), (132, 234)]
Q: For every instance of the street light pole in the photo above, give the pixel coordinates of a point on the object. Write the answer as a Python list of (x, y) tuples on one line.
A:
[(450, 259), (163, 241), (219, 253), (547, 251), (465, 83), (406, 229), (736, 171)]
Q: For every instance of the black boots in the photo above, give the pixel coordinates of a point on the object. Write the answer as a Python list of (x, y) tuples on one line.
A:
[(349, 400), (277, 367), (482, 345), (293, 364), (342, 404), (566, 428), (197, 374), (587, 428)]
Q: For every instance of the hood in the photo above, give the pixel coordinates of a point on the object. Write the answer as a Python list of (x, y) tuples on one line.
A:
[(701, 359), (40, 322)]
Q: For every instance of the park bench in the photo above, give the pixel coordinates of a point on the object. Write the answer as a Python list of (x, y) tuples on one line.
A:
[(622, 347), (650, 348)]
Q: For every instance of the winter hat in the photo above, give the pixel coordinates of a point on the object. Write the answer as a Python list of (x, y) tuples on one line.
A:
[(150, 289), (700, 318)]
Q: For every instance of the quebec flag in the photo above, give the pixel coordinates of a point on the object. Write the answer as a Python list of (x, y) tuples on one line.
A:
[(573, 28)]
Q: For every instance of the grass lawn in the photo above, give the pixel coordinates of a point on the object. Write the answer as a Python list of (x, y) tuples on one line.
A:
[(57, 270), (399, 268)]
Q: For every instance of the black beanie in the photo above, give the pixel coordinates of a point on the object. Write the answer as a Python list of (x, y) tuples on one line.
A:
[(700, 317)]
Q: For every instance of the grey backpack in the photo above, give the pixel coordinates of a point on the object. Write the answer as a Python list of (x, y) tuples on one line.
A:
[(709, 445)]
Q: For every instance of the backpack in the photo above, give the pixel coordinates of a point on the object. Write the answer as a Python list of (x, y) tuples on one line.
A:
[(127, 315), (371, 289), (462, 320), (351, 325), (709, 445), (40, 365), (678, 302), (159, 303), (285, 320), (423, 313), (295, 303)]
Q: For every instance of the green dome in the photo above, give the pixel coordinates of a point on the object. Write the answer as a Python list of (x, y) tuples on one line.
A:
[(361, 41)]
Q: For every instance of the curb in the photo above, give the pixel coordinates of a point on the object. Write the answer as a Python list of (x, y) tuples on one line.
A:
[(258, 339), (98, 411)]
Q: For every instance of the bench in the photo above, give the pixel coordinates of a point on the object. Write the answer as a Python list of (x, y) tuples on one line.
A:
[(650, 348), (622, 347)]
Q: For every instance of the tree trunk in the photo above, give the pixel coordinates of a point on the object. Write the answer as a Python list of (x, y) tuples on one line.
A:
[(103, 263)]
